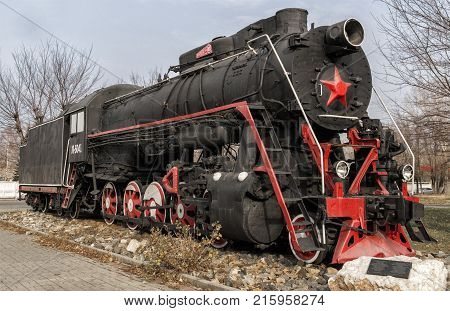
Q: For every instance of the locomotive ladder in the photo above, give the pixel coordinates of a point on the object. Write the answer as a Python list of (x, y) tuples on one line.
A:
[(70, 186), (293, 199)]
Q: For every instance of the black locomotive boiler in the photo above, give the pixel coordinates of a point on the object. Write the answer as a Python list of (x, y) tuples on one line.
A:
[(264, 132)]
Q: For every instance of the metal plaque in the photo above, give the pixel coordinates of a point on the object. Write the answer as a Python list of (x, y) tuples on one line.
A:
[(397, 269)]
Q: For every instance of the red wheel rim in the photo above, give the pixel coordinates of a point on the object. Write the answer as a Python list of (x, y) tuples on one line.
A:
[(183, 213), (153, 197), (131, 201), (307, 257), (109, 202)]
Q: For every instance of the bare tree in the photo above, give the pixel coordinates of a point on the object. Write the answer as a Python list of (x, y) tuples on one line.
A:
[(32, 67), (42, 82), (73, 75), (152, 77), (11, 106), (417, 52), (428, 136), (9, 155), (417, 46)]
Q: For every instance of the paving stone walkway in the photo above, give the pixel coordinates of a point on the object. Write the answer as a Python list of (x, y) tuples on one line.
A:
[(26, 265), (12, 205)]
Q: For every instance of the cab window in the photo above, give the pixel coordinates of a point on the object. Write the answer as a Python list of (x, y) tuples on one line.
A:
[(77, 122)]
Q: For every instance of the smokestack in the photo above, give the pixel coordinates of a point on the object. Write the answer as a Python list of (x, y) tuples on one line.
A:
[(292, 20)]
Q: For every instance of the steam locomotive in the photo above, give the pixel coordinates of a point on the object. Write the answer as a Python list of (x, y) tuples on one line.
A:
[(264, 132)]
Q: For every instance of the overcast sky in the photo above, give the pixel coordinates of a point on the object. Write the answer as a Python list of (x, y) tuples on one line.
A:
[(138, 35)]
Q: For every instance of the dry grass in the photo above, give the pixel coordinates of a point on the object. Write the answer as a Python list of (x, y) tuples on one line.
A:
[(171, 255), (437, 222), (432, 199), (11, 227), (158, 274), (67, 246)]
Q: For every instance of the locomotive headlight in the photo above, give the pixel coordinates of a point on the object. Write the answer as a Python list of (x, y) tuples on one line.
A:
[(407, 172), (342, 169)]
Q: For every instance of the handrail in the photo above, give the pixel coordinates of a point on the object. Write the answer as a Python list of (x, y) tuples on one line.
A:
[(65, 178), (322, 173), (401, 135)]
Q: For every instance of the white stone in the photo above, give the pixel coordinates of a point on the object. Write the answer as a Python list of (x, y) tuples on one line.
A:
[(133, 246), (80, 239), (234, 274), (441, 254), (425, 275), (139, 258), (332, 271), (108, 247), (248, 280)]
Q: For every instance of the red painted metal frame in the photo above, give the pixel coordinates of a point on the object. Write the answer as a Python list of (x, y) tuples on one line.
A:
[(170, 183), (42, 189), (308, 137), (370, 160), (357, 141), (406, 195), (71, 183), (353, 243), (170, 180), (355, 188), (245, 111), (342, 207)]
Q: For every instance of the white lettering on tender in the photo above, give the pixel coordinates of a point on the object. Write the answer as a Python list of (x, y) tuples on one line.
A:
[(75, 149)]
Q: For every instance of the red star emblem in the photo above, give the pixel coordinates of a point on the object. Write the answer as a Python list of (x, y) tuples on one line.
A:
[(338, 88)]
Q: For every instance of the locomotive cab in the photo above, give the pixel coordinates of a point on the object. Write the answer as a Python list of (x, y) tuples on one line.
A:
[(77, 139)]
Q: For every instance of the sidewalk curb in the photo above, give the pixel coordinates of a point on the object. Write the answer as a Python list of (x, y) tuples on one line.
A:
[(193, 280), (205, 284)]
